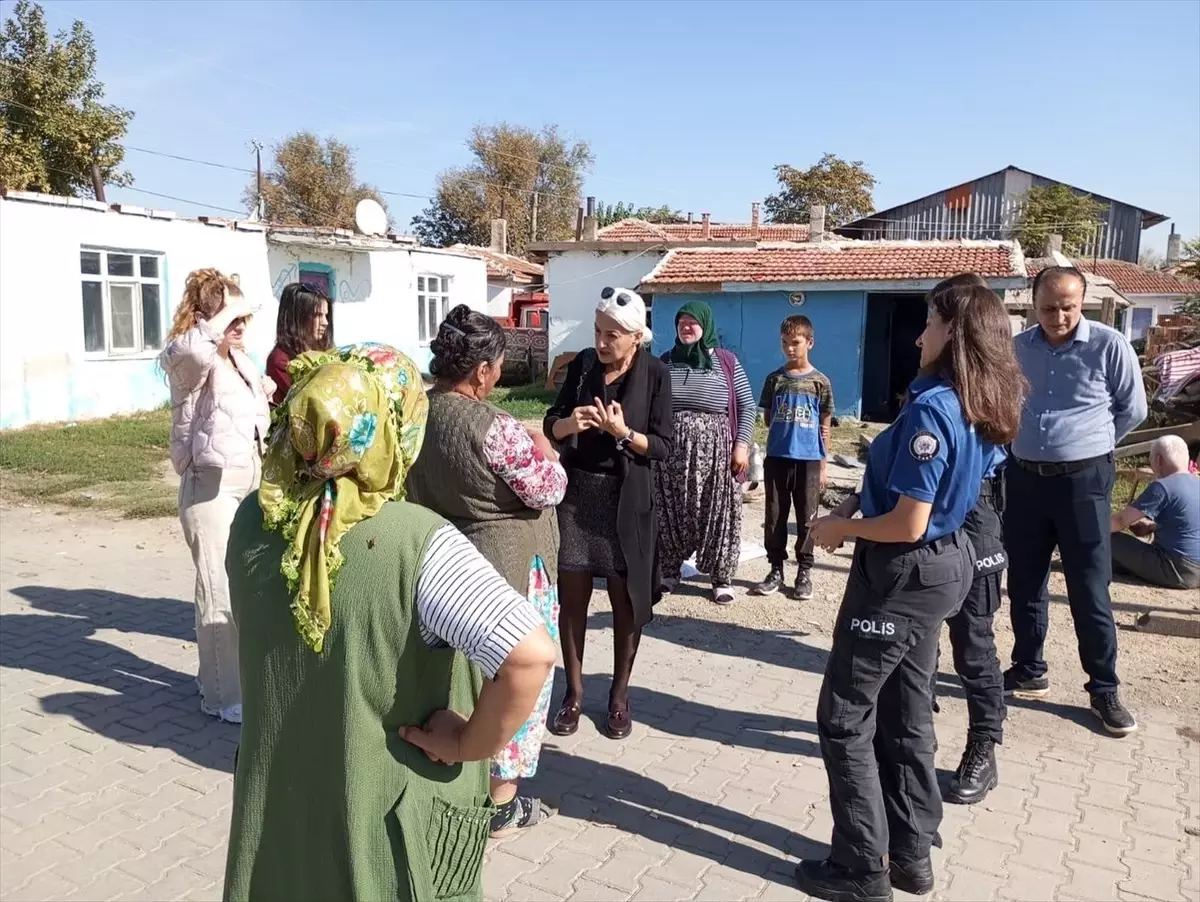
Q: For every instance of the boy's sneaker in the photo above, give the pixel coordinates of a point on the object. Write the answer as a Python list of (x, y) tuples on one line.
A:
[(1116, 717), (803, 590), (1025, 687), (772, 584)]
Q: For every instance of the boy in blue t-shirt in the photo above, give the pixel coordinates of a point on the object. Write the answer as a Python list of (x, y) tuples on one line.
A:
[(797, 403)]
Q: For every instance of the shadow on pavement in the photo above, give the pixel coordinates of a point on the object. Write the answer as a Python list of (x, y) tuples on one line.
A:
[(949, 685), (780, 647), (690, 719), (639, 805), (145, 704)]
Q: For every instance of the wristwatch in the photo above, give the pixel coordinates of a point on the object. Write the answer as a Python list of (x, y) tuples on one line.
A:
[(623, 443)]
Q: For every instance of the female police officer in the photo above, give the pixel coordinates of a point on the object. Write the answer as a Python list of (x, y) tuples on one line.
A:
[(912, 568)]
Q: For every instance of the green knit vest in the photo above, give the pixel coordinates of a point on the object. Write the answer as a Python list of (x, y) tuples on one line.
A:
[(329, 802), (452, 477)]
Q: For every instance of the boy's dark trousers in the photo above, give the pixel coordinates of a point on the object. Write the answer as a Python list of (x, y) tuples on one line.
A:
[(790, 484)]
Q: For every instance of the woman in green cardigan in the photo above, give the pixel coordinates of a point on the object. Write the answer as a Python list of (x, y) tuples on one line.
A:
[(367, 719)]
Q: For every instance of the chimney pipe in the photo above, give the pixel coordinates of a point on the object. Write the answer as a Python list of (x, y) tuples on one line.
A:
[(579, 223), (97, 182), (589, 221), (689, 217), (754, 220), (816, 223), (1174, 247), (1053, 245), (500, 236), (705, 227)]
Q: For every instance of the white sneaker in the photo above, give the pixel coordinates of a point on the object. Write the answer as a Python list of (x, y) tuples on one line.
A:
[(232, 714)]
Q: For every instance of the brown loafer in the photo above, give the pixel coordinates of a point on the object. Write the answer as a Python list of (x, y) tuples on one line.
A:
[(566, 721), (619, 723)]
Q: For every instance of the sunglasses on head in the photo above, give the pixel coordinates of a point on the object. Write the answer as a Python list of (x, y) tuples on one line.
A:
[(622, 296)]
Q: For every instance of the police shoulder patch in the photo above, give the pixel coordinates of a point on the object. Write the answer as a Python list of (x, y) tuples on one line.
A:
[(924, 446)]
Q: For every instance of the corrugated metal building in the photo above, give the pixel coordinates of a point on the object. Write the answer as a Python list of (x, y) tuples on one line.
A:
[(988, 208)]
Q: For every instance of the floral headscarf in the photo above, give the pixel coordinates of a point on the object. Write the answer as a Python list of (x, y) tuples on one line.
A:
[(341, 445)]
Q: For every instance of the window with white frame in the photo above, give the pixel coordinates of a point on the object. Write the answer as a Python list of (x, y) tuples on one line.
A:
[(433, 303), (122, 301)]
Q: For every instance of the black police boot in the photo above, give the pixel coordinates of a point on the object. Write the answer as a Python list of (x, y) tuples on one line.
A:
[(914, 877), (803, 590), (976, 775), (826, 880), (771, 584)]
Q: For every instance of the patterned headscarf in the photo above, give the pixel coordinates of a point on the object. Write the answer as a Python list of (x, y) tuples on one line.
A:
[(341, 445)]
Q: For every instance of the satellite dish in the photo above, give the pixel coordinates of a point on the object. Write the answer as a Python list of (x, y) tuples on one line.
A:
[(370, 217)]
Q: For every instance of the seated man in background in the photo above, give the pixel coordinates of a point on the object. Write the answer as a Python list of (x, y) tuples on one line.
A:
[(1169, 510)]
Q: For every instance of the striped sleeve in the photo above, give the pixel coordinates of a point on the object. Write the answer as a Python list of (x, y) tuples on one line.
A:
[(747, 411), (464, 603)]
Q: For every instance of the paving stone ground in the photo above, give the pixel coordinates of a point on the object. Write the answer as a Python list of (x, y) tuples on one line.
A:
[(114, 786)]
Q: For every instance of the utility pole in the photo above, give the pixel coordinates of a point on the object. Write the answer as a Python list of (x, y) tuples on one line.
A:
[(259, 211), (533, 218)]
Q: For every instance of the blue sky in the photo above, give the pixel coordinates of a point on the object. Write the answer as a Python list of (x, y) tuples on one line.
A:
[(685, 103)]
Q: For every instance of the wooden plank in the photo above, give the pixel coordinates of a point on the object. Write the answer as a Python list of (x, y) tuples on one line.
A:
[(1133, 450), (1187, 431)]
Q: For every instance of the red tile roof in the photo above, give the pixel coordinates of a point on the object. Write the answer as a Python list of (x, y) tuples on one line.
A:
[(504, 266), (640, 230), (1129, 278), (837, 261)]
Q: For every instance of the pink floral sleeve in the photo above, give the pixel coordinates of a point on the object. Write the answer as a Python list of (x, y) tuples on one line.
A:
[(511, 454)]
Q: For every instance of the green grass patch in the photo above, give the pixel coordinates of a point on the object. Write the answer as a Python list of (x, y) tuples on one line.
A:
[(116, 463), (524, 402)]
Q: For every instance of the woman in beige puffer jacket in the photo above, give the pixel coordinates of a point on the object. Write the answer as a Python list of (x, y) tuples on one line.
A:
[(219, 419)]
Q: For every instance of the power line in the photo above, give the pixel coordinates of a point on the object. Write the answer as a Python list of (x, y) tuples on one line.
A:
[(181, 200), (279, 88), (908, 225)]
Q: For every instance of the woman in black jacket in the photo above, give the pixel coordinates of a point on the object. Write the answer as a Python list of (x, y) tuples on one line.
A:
[(612, 419)]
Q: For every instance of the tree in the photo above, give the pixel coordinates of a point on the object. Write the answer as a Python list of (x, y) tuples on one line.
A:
[(606, 215), (1057, 210), (1189, 306), (53, 124), (1151, 259), (511, 164), (311, 183), (1189, 259), (843, 187)]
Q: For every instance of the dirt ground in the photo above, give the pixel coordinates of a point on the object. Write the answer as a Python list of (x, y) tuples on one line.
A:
[(1155, 670)]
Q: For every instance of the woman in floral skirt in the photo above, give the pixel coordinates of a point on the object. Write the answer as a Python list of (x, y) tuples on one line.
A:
[(499, 484)]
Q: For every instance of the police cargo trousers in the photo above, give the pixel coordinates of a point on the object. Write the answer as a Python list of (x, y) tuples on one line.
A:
[(208, 499), (875, 714), (972, 636)]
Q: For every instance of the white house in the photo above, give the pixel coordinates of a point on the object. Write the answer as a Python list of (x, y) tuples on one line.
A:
[(383, 289), (621, 255), (507, 274), (87, 292)]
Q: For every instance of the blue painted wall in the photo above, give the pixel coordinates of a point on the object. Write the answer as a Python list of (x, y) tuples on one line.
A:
[(748, 324)]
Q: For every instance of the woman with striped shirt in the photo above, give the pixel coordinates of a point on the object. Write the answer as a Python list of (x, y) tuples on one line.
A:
[(385, 660), (698, 489)]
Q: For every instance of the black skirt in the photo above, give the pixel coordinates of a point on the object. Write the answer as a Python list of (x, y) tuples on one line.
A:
[(587, 525)]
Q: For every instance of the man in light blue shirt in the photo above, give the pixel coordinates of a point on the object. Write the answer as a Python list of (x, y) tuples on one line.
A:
[(1086, 394)]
